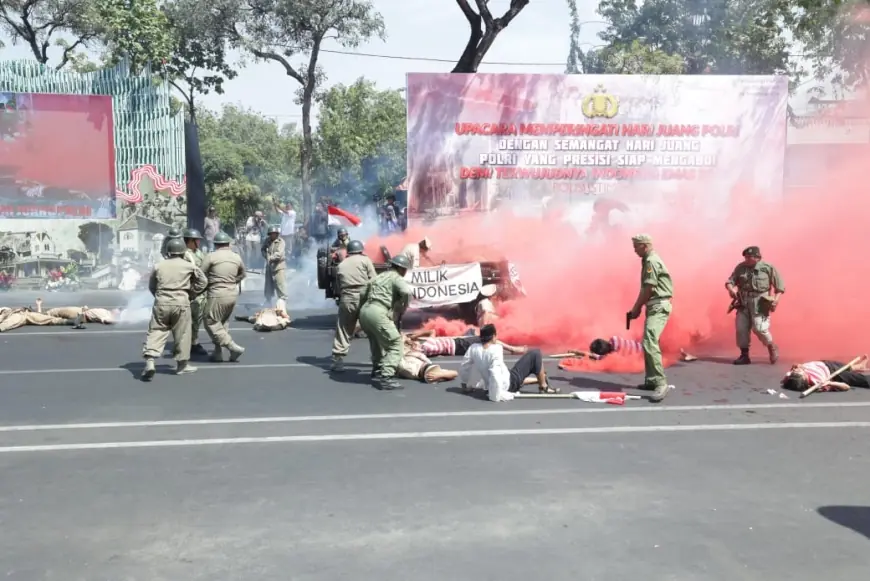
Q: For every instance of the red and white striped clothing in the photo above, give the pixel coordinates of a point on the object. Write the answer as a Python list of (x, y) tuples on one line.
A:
[(816, 372), (626, 346), (434, 346)]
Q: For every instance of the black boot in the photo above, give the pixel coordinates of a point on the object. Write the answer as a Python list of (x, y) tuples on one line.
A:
[(744, 358)]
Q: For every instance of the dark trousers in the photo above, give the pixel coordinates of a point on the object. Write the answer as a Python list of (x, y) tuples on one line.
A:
[(531, 363), (850, 378)]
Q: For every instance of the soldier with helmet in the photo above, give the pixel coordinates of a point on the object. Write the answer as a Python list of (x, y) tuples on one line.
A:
[(173, 234), (225, 271), (353, 274), (193, 240), (173, 282), (273, 252), (755, 287), (385, 298), (341, 241)]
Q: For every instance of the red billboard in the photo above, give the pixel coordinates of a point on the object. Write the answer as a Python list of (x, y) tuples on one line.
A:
[(57, 156)]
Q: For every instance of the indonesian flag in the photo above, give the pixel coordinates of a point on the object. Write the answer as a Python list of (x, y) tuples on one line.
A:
[(610, 397), (339, 217)]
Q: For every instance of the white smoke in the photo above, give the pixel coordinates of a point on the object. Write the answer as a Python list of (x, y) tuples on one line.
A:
[(138, 308)]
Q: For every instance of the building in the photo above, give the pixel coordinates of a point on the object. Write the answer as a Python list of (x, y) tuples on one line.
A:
[(135, 237), (35, 253)]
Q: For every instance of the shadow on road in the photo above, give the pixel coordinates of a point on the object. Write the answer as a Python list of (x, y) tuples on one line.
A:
[(135, 368), (600, 384), (314, 322), (354, 373), (856, 518)]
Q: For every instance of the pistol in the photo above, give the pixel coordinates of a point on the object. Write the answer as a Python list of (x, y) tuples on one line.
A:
[(735, 304), (627, 321)]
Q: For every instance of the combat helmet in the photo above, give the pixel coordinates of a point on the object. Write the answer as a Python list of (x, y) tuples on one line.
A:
[(274, 230), (174, 233), (222, 238), (401, 261), (355, 247), (175, 247), (342, 232), (192, 234)]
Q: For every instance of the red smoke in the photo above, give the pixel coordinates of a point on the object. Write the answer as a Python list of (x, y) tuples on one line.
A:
[(579, 290)]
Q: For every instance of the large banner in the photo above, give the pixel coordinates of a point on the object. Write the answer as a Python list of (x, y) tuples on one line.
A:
[(437, 286), (477, 140), (57, 156)]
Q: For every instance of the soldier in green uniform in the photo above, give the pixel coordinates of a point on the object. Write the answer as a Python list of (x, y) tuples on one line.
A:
[(383, 298), (225, 272), (656, 291), (755, 288), (354, 273), (273, 252), (173, 282), (341, 240), (193, 239), (173, 234)]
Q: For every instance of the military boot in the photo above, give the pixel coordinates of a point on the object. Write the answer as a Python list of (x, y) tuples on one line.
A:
[(744, 358), (235, 351), (660, 392), (198, 349), (337, 364), (389, 384), (184, 367), (217, 355), (149, 371), (774, 353)]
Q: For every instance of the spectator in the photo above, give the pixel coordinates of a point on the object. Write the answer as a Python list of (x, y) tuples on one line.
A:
[(288, 226), (212, 227), (318, 225), (255, 228)]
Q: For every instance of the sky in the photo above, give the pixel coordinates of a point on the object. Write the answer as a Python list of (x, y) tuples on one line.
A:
[(434, 29)]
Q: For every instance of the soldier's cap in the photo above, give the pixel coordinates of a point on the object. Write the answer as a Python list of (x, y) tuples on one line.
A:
[(642, 239), (426, 243), (488, 290), (753, 251)]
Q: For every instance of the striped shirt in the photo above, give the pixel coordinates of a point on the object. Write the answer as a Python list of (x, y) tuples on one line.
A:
[(816, 372), (435, 346), (626, 346)]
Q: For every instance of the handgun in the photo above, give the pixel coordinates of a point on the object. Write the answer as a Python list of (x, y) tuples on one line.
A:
[(627, 321)]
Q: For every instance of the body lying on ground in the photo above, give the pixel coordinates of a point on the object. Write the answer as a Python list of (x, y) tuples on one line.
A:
[(600, 348), (416, 365), (266, 320), (433, 346), (805, 375), (15, 318)]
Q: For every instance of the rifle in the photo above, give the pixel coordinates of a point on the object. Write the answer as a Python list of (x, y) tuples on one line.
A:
[(736, 303)]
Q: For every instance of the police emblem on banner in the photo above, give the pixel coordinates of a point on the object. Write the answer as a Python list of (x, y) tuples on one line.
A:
[(600, 104)]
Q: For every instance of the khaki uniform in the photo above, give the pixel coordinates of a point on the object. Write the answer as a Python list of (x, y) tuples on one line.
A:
[(11, 319), (266, 320), (275, 283), (224, 270), (753, 315), (197, 304), (416, 365), (172, 283), (354, 273), (412, 251), (658, 310), (386, 295)]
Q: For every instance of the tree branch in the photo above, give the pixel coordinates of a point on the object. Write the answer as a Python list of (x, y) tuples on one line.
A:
[(67, 52), (464, 65)]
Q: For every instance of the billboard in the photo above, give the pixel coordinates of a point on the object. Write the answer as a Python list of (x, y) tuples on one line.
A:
[(57, 156), (477, 140)]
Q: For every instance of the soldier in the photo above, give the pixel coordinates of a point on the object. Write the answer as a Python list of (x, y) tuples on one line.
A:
[(354, 273), (225, 272), (273, 252), (173, 282), (341, 241), (656, 291), (755, 287), (415, 250), (174, 234), (387, 294), (193, 239)]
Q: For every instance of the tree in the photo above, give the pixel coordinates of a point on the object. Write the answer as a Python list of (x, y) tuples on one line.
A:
[(40, 23), (134, 30), (281, 30), (634, 59), (360, 144), (484, 30), (199, 63)]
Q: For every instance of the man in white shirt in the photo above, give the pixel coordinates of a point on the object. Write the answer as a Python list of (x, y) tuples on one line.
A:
[(501, 383), (255, 227), (288, 225), (417, 249)]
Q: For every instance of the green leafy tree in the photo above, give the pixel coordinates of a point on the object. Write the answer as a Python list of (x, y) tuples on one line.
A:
[(282, 31), (134, 30), (633, 59), (484, 29), (360, 142)]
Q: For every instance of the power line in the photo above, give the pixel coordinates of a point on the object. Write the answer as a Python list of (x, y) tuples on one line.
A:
[(438, 60)]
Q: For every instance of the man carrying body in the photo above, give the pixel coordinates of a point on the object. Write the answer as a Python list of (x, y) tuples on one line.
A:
[(750, 287), (225, 271), (415, 250), (656, 291), (802, 377), (192, 239), (353, 274), (173, 234), (387, 295), (275, 283), (173, 282)]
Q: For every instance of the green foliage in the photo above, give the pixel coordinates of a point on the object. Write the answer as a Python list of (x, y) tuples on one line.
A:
[(235, 200), (135, 30), (634, 59), (360, 142)]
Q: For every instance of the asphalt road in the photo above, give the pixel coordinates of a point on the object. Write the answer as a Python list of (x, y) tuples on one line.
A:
[(271, 469)]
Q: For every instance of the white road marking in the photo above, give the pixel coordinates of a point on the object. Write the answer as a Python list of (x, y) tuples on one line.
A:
[(424, 415), (90, 332), (427, 435)]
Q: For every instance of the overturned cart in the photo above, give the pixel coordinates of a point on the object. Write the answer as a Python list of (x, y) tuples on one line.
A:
[(441, 286)]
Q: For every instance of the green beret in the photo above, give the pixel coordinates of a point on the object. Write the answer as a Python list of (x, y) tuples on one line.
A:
[(642, 239)]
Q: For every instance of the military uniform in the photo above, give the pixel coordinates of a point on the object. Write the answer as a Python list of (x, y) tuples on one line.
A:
[(173, 282), (655, 274), (354, 273), (197, 303), (225, 271), (753, 303), (275, 283), (386, 295), (173, 234)]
